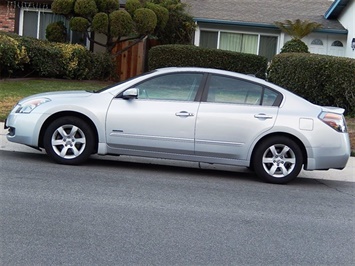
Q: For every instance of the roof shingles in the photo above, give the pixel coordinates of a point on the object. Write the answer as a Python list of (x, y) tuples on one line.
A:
[(262, 11)]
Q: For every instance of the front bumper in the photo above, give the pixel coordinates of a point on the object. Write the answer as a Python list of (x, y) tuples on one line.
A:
[(24, 128)]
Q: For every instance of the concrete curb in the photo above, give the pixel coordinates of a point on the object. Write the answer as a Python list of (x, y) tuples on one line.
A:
[(347, 174)]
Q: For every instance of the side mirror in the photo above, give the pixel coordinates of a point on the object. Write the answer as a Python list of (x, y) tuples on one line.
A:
[(130, 94)]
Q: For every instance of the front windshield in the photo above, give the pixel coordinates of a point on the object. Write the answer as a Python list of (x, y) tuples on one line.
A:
[(121, 82)]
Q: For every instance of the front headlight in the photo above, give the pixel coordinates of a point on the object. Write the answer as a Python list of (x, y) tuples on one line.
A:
[(28, 106)]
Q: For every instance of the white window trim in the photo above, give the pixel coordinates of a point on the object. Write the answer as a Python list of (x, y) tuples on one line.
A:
[(22, 15), (199, 29), (39, 10)]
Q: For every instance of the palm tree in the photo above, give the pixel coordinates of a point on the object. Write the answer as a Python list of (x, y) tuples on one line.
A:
[(298, 29)]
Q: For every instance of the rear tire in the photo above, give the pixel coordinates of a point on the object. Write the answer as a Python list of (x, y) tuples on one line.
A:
[(69, 140), (278, 160)]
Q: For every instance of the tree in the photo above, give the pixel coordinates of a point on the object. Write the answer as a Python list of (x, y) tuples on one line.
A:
[(297, 30), (180, 26), (105, 16), (56, 32)]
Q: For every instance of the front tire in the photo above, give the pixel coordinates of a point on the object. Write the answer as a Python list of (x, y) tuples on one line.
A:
[(278, 160), (69, 140)]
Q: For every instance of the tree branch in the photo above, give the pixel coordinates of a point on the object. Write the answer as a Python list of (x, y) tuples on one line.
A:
[(129, 46)]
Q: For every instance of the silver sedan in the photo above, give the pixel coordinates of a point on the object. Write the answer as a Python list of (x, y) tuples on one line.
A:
[(191, 114)]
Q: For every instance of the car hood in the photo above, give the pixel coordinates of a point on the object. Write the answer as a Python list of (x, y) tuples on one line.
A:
[(58, 94)]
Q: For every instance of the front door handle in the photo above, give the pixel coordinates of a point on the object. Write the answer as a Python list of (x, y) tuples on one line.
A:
[(263, 116), (184, 114)]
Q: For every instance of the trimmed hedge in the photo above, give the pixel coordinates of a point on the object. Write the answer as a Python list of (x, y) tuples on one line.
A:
[(57, 60), (189, 55), (295, 46), (13, 55), (321, 79)]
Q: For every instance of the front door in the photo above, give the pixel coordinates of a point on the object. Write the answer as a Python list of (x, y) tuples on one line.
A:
[(162, 118)]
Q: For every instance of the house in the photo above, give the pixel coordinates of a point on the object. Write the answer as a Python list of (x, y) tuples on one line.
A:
[(248, 25), (237, 25), (31, 18)]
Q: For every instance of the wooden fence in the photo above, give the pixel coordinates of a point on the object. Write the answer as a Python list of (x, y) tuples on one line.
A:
[(131, 62)]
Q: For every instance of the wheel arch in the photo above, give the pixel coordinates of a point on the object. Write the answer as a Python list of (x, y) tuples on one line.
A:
[(55, 116), (276, 134)]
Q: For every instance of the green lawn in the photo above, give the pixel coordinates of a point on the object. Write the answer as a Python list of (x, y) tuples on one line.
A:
[(13, 90)]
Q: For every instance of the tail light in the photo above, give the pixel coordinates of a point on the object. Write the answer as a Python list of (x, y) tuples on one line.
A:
[(335, 121)]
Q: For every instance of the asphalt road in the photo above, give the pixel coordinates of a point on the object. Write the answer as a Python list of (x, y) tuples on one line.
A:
[(114, 212)]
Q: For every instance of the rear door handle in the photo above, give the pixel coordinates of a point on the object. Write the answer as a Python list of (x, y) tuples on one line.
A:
[(263, 116), (184, 114)]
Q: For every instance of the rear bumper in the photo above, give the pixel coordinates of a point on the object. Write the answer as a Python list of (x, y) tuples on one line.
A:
[(325, 158)]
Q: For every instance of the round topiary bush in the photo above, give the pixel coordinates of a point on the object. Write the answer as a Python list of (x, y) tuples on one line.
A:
[(63, 7), (295, 46), (56, 32), (161, 12), (100, 23), (79, 24), (107, 6), (145, 20), (121, 23), (85, 8), (132, 5)]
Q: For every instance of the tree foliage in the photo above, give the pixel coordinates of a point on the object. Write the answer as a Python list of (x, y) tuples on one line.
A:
[(106, 17), (298, 29), (295, 46), (180, 26), (56, 32), (165, 19)]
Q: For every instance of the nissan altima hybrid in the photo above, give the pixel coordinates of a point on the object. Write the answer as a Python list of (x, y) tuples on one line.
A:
[(190, 114)]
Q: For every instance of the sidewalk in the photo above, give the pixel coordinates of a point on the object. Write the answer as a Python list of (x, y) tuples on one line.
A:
[(347, 174)]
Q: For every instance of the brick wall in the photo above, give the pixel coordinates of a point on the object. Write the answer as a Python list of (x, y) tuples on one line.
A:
[(7, 18)]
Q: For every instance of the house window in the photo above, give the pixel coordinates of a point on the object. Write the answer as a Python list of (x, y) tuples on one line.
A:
[(337, 44), (268, 46), (243, 43), (317, 42), (209, 39), (240, 42), (33, 23)]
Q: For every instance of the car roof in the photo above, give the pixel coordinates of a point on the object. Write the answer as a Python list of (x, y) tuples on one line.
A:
[(250, 76)]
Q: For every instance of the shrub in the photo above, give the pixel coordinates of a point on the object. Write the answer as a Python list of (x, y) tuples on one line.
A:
[(44, 58), (100, 23), (59, 60), (161, 12), (321, 79), (102, 66), (145, 20), (121, 23), (85, 8), (295, 46), (79, 24), (189, 55), (107, 6), (132, 5), (13, 55), (56, 32), (63, 7)]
